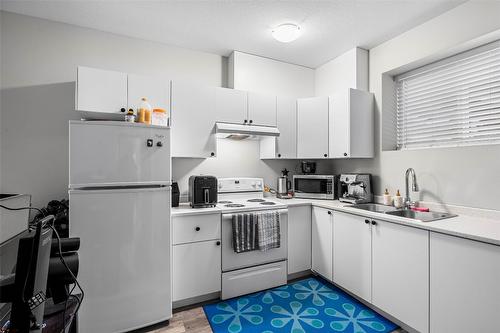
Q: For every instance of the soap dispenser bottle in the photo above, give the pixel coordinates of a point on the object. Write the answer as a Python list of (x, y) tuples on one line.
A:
[(387, 199)]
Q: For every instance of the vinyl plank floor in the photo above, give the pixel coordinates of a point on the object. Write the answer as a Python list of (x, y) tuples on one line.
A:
[(194, 321)]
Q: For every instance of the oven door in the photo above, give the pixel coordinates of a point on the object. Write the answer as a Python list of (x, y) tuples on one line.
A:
[(315, 187), (232, 260)]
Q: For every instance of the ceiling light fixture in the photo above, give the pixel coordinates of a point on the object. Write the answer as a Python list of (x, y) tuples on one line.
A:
[(286, 32)]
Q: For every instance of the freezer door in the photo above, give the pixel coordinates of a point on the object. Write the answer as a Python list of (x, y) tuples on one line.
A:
[(124, 257), (118, 153)]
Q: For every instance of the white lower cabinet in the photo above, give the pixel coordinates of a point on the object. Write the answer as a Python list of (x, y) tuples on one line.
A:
[(464, 285), (400, 273), (321, 236), (196, 269), (299, 239), (196, 255), (352, 247)]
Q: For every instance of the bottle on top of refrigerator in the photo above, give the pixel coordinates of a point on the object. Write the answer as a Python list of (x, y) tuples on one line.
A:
[(144, 112)]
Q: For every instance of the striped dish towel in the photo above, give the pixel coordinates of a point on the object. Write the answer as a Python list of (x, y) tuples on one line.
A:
[(244, 232), (268, 230)]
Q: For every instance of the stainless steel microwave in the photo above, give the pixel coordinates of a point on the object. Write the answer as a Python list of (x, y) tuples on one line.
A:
[(315, 186)]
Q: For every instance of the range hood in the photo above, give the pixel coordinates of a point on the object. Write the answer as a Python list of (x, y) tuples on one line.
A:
[(240, 131)]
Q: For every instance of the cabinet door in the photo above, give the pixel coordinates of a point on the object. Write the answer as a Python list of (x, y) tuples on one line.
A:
[(101, 91), (400, 273), (299, 239), (261, 109), (312, 127), (155, 89), (193, 108), (465, 289), (196, 269), (287, 125), (351, 121), (230, 105), (340, 124), (352, 247), (322, 261)]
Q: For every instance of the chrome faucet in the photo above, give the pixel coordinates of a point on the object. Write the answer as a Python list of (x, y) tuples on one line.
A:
[(410, 171)]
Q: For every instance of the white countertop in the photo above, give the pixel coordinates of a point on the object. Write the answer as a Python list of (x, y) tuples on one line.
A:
[(464, 225), (185, 209)]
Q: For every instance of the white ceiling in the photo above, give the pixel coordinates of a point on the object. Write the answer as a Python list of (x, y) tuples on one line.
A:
[(329, 27)]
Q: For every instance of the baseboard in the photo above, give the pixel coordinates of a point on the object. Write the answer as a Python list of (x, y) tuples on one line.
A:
[(195, 301), (299, 275)]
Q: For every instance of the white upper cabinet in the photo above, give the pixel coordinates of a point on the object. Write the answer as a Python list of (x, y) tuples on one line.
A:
[(101, 94), (193, 120), (285, 145), (261, 109), (231, 105), (464, 285), (321, 241), (155, 89), (312, 127), (352, 249), (351, 120), (400, 274)]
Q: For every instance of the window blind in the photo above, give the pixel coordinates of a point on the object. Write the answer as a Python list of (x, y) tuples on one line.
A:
[(455, 102)]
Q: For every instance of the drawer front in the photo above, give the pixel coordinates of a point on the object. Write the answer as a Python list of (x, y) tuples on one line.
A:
[(196, 228), (192, 261), (249, 280)]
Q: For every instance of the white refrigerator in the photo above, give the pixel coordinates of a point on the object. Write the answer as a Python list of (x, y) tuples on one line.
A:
[(120, 198)]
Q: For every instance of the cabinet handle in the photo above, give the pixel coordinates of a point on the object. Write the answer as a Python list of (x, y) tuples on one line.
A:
[(329, 213), (345, 154), (279, 155), (367, 221), (251, 121), (197, 228), (218, 243), (325, 155), (245, 121), (123, 110), (212, 154), (374, 223)]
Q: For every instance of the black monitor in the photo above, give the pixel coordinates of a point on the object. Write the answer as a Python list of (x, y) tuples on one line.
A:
[(27, 292)]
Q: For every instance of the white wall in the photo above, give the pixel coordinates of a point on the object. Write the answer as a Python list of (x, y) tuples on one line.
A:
[(462, 176), (349, 70), (259, 74), (38, 70)]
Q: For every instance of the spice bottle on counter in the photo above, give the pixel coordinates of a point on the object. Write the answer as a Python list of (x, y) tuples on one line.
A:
[(144, 112)]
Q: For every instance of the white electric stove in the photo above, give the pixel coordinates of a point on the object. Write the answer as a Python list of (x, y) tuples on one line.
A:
[(243, 195), (248, 272)]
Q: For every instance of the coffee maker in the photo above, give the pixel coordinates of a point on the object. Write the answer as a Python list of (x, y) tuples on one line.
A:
[(284, 185), (355, 188)]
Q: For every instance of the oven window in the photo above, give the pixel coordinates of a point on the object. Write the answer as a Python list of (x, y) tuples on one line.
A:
[(310, 185)]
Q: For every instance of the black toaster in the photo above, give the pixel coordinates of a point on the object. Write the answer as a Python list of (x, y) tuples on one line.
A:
[(202, 191)]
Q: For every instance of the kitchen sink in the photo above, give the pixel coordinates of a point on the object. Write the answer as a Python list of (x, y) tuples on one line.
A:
[(373, 207), (407, 213), (421, 216)]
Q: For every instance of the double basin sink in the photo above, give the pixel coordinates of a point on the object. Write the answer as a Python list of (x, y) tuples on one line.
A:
[(407, 213)]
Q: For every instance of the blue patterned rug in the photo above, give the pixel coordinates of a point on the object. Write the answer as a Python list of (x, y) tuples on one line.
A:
[(310, 305)]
